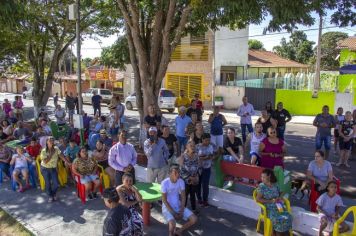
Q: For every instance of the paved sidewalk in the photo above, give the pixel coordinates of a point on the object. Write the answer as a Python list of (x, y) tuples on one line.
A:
[(70, 217)]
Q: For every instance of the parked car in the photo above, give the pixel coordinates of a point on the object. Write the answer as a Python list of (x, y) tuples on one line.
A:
[(166, 100), (28, 94), (106, 95)]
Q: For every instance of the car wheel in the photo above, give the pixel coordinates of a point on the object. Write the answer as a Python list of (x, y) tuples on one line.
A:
[(171, 110), (129, 106)]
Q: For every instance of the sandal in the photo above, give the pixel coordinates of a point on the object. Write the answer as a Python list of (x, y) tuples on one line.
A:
[(21, 190)]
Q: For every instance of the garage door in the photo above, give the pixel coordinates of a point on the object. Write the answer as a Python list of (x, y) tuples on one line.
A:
[(190, 83)]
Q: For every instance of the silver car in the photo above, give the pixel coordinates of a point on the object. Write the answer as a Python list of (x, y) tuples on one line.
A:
[(106, 95), (166, 100)]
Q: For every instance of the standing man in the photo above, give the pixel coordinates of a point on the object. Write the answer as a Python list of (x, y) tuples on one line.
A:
[(324, 123), (282, 116), (182, 100), (95, 101), (245, 112), (217, 121), (122, 158), (157, 154), (66, 101), (173, 199), (182, 121), (194, 109), (55, 100), (171, 141), (70, 100)]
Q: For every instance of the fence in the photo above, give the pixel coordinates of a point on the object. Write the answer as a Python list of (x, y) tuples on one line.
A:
[(301, 81)]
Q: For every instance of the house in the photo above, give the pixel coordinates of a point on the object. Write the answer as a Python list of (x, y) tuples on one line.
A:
[(347, 78)]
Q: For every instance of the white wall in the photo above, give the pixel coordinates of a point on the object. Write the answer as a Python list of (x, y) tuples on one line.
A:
[(231, 49), (232, 95)]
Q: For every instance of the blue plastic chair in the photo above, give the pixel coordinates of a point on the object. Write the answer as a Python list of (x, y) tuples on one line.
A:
[(32, 176), (93, 138)]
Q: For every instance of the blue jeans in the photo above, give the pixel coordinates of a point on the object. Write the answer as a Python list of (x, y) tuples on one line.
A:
[(280, 131), (182, 141), (50, 176), (320, 140), (204, 179), (243, 130), (5, 167)]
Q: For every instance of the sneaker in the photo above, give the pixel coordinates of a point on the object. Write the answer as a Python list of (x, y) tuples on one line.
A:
[(90, 196), (347, 165), (205, 204), (227, 184), (95, 195)]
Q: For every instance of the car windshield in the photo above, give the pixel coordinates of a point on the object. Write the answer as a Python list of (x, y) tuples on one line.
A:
[(105, 92), (167, 93)]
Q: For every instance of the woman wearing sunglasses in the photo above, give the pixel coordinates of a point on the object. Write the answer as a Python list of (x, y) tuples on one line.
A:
[(272, 150)]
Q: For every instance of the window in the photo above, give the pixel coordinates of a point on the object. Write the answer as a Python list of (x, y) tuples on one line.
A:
[(105, 92), (166, 93)]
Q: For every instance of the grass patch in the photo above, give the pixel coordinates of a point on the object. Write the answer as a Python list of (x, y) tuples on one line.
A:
[(10, 227)]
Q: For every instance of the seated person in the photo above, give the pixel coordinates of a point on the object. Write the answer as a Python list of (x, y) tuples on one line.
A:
[(93, 123), (233, 150), (62, 144), (173, 202), (39, 133), (34, 148), (42, 116), (86, 121), (100, 154), (320, 171), (328, 206), (21, 132), (45, 127), (5, 158), (7, 128), (19, 160), (269, 195), (100, 125), (71, 151), (87, 169), (4, 137), (105, 139)]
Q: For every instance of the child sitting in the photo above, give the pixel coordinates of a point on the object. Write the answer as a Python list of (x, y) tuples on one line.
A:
[(21, 167), (71, 151), (34, 148), (328, 206)]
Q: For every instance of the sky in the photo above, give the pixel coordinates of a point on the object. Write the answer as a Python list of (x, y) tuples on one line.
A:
[(92, 48)]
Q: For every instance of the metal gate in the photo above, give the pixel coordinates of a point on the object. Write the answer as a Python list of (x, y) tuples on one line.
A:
[(190, 83), (259, 96), (344, 100)]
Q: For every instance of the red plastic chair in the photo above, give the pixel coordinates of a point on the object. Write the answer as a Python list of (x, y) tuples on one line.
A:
[(81, 187), (314, 195)]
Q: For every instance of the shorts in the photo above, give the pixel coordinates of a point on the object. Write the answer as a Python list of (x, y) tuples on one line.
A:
[(20, 169), (88, 178), (345, 145), (169, 217), (229, 158), (320, 140)]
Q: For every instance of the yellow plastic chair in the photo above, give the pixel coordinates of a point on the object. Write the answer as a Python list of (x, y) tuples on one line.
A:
[(62, 173), (267, 229), (341, 219), (105, 177)]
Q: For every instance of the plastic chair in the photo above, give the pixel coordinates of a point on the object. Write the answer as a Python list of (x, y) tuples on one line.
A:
[(268, 228), (314, 195), (62, 178), (32, 176), (81, 187), (106, 177), (58, 131), (341, 219)]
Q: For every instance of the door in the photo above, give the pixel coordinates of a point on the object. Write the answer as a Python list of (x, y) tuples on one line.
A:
[(344, 100), (259, 96)]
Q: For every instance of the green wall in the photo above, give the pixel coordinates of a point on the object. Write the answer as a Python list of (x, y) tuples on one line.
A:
[(302, 103), (346, 56)]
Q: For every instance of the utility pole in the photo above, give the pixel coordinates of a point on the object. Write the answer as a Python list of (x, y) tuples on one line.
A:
[(318, 58), (79, 72)]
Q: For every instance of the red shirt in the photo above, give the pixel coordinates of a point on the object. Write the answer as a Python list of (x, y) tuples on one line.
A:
[(34, 151)]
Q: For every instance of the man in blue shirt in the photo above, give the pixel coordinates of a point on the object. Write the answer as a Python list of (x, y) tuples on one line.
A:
[(96, 100), (182, 121)]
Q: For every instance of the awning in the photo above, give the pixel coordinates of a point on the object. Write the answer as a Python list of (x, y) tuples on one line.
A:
[(348, 69)]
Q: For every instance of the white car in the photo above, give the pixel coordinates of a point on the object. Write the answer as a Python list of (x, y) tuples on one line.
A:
[(166, 100), (28, 94), (106, 95)]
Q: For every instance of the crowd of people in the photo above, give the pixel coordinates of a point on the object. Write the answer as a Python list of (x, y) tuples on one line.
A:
[(181, 162)]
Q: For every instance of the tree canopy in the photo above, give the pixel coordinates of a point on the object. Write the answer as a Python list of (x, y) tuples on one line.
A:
[(299, 48), (117, 55), (255, 44)]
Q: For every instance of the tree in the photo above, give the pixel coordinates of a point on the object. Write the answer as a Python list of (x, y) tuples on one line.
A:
[(154, 28), (329, 51), (255, 44), (43, 28), (299, 48), (117, 55)]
